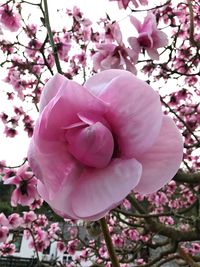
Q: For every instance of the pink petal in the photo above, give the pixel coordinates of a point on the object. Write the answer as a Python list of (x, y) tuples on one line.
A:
[(133, 41), (153, 53), (26, 199), (135, 3), (73, 216), (98, 82), (13, 180), (92, 145), (97, 191), (62, 111), (55, 168), (14, 197), (143, 2), (160, 39), (117, 33), (61, 201), (135, 113), (149, 24), (161, 162), (51, 89), (136, 23)]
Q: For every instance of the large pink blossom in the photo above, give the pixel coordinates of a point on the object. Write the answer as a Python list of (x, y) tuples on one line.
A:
[(93, 144), (149, 37)]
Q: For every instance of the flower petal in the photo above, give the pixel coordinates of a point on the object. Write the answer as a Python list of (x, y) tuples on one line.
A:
[(60, 202), (136, 23), (161, 162), (153, 53), (97, 191), (51, 89), (98, 82), (92, 145), (134, 114), (160, 39), (133, 41), (54, 169)]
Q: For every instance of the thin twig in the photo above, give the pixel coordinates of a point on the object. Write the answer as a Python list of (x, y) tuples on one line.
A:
[(47, 24)]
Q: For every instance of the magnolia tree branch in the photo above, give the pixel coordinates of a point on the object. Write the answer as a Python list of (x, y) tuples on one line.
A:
[(109, 244), (47, 24), (192, 40), (157, 227), (180, 119), (171, 249), (190, 178), (187, 258)]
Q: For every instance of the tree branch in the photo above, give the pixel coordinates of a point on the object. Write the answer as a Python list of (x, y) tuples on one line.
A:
[(190, 178)]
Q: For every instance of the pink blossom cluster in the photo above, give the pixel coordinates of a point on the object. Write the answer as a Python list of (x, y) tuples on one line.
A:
[(111, 52), (11, 122), (9, 19)]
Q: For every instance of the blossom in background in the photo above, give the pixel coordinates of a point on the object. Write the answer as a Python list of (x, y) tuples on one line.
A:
[(111, 56), (25, 192), (107, 56), (3, 233), (14, 220), (29, 217), (125, 3), (9, 19), (114, 56), (149, 37), (7, 249), (93, 144)]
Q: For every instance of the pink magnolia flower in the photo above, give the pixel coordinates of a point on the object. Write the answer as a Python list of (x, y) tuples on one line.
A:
[(149, 37), (93, 144), (107, 56), (125, 3), (9, 19), (25, 192), (114, 56), (15, 220), (111, 56), (61, 246), (29, 217)]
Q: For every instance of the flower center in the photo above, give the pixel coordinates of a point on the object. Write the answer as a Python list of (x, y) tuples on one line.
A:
[(23, 187), (90, 141), (145, 40)]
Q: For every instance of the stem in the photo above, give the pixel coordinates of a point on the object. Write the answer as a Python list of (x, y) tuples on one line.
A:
[(47, 24), (109, 243), (34, 243), (191, 13)]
